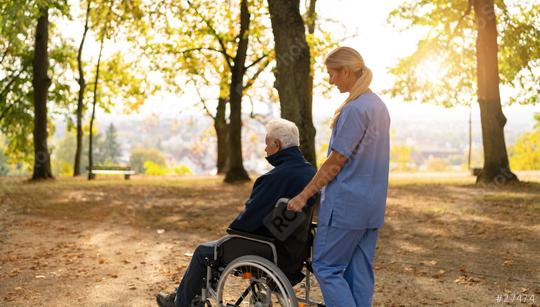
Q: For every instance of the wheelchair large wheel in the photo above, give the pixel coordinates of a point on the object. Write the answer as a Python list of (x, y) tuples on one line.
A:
[(254, 281)]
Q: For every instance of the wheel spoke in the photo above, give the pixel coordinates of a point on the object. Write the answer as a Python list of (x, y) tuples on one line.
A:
[(243, 296), (254, 281)]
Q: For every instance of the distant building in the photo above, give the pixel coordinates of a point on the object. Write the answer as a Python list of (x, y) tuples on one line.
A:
[(441, 153)]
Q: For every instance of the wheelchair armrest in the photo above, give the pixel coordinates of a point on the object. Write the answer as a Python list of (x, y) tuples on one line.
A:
[(249, 235)]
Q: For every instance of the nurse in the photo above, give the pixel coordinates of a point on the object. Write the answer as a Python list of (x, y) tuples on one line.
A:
[(354, 183)]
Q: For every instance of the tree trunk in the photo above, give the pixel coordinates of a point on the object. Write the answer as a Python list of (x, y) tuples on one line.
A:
[(470, 138), (80, 100), (222, 128), (293, 71), (496, 167), (41, 83), (221, 125), (236, 171), (310, 151), (94, 102)]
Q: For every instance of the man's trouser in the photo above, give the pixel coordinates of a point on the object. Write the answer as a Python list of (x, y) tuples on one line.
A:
[(192, 282)]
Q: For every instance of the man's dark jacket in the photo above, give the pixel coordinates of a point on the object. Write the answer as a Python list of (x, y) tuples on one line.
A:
[(290, 175)]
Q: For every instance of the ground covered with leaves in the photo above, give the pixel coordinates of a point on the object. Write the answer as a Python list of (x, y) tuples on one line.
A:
[(110, 242)]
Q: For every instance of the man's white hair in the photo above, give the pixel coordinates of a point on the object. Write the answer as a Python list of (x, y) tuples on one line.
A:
[(283, 130)]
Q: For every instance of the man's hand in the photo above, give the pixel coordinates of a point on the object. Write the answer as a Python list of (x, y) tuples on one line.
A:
[(297, 203)]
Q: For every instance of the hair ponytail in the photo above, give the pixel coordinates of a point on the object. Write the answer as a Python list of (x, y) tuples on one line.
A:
[(350, 58)]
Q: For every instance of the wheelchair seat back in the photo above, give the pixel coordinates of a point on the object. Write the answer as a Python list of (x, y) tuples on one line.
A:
[(238, 244)]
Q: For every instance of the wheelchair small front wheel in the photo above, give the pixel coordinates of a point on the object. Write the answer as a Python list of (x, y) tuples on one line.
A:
[(256, 282)]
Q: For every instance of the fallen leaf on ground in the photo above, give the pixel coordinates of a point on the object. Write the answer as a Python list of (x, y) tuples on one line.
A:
[(439, 274), (428, 263), (465, 280), (9, 298)]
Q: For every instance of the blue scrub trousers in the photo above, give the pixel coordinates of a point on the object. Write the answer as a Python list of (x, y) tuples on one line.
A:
[(342, 262)]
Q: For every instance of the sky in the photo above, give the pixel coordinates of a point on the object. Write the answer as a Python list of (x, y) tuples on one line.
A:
[(380, 45)]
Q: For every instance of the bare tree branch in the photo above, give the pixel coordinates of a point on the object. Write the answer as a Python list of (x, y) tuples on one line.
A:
[(252, 80), (4, 54), (10, 83), (198, 49), (460, 22), (202, 99), (260, 118), (311, 15), (4, 112), (256, 61), (228, 58)]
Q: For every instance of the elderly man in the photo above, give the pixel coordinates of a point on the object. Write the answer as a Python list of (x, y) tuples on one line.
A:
[(291, 173)]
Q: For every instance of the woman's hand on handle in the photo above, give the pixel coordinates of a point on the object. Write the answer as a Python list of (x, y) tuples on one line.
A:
[(297, 203)]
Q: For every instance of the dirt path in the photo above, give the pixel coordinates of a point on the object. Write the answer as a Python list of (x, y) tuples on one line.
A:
[(113, 243), (61, 262)]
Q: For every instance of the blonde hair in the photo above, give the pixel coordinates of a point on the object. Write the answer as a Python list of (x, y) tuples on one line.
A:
[(348, 57)]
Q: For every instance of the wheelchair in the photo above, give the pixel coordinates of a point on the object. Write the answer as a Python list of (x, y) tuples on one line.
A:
[(244, 272)]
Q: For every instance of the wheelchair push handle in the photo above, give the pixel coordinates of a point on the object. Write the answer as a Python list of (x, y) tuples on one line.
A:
[(282, 222), (283, 200)]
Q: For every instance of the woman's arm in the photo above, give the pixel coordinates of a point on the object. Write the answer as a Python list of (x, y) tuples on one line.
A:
[(328, 171)]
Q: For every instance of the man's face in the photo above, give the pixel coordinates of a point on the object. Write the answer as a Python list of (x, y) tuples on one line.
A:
[(272, 145)]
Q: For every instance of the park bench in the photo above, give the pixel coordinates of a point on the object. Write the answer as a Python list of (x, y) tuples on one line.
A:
[(111, 170)]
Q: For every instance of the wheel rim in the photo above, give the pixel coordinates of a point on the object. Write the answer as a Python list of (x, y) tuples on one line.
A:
[(251, 283)]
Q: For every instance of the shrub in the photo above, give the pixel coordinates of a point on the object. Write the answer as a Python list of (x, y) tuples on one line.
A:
[(182, 170), (154, 169)]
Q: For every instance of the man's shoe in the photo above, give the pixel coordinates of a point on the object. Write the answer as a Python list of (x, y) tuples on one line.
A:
[(197, 302), (165, 300)]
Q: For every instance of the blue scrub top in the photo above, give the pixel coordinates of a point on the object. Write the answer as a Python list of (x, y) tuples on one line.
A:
[(356, 198)]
